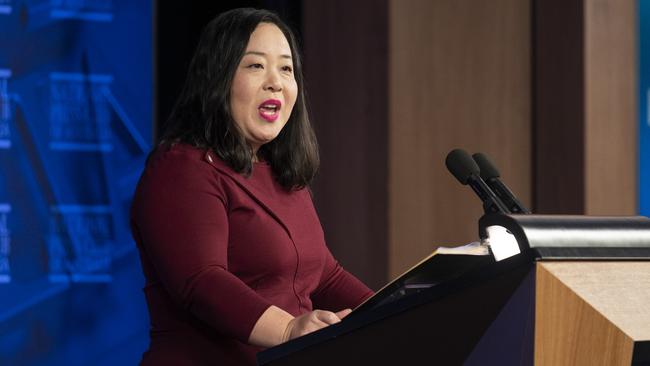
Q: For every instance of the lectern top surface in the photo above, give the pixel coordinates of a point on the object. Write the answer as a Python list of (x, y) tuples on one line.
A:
[(620, 291)]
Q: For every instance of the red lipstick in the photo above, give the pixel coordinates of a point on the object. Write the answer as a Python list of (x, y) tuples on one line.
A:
[(270, 109)]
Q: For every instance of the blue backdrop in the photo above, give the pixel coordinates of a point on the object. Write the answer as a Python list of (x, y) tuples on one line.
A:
[(644, 112), (75, 127)]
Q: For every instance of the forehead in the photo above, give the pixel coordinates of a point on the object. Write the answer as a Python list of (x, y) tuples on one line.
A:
[(268, 38)]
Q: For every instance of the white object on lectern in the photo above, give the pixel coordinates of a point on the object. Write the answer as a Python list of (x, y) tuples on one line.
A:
[(502, 243)]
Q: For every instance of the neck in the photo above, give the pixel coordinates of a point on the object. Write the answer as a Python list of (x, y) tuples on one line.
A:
[(254, 150)]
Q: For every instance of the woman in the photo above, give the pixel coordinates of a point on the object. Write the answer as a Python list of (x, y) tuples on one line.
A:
[(231, 247)]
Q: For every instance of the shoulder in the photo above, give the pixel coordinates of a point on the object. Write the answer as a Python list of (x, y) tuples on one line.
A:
[(178, 180), (183, 159), (176, 156), (181, 167)]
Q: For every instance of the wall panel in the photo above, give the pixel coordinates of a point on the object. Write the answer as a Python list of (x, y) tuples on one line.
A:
[(610, 107), (459, 77)]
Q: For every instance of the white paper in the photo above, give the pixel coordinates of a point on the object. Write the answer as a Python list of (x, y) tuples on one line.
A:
[(473, 248)]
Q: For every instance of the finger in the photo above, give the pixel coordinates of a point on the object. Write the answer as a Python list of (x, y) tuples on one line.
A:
[(327, 317), (343, 313), (312, 327), (317, 326), (316, 319)]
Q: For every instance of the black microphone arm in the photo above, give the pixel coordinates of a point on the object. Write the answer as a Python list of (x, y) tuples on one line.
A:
[(461, 165), (490, 175)]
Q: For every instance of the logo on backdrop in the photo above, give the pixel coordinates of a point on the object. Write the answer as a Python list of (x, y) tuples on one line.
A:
[(5, 7), (5, 109), (80, 243), (5, 244), (79, 113), (89, 10)]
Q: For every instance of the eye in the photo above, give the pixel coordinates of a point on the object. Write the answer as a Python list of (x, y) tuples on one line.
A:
[(255, 66), (287, 69)]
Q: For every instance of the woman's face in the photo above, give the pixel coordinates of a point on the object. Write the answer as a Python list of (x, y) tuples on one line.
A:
[(264, 89)]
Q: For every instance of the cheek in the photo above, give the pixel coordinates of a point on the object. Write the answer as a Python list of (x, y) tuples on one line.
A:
[(292, 94), (239, 97)]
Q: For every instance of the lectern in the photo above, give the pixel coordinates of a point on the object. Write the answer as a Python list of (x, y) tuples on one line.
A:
[(539, 289)]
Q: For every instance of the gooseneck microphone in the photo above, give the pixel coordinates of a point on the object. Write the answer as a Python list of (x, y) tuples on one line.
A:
[(491, 176), (461, 165)]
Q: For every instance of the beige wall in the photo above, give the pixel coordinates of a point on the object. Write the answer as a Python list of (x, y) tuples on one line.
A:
[(610, 107), (546, 88), (459, 76)]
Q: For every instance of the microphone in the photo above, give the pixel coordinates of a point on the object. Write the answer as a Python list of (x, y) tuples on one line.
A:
[(491, 176), (461, 165)]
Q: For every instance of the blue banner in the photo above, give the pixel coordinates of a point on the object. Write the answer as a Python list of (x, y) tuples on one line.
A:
[(644, 112), (75, 128)]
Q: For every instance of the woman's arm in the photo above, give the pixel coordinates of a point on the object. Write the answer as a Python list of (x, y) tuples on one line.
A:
[(180, 220), (337, 288)]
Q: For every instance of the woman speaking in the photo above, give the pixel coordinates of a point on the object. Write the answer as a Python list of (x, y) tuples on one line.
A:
[(231, 247)]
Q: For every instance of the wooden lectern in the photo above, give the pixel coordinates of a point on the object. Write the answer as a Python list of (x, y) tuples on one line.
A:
[(592, 313), (576, 291)]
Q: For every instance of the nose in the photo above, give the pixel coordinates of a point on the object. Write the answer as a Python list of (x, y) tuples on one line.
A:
[(273, 82)]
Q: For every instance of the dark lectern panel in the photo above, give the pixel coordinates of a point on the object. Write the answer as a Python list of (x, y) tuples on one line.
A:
[(641, 354), (444, 329), (510, 338)]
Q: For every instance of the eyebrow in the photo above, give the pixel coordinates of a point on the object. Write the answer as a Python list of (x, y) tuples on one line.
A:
[(264, 54)]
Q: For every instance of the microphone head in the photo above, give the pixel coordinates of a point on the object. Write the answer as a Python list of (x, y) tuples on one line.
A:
[(461, 165), (488, 170)]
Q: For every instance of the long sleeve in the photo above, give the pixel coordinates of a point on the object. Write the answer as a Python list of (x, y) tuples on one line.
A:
[(180, 220), (338, 289)]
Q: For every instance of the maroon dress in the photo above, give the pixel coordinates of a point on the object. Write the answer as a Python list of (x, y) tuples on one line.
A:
[(217, 249)]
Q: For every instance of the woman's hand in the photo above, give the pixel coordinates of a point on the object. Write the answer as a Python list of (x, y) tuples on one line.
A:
[(276, 326), (311, 322)]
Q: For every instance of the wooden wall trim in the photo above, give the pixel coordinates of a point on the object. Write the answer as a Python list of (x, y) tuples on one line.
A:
[(558, 100), (346, 55)]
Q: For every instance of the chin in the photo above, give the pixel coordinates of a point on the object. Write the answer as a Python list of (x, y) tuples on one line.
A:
[(265, 139)]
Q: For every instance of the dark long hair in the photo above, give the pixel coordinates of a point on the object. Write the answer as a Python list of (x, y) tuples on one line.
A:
[(202, 117)]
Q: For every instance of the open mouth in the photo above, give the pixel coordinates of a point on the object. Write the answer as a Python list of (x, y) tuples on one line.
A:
[(270, 109)]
